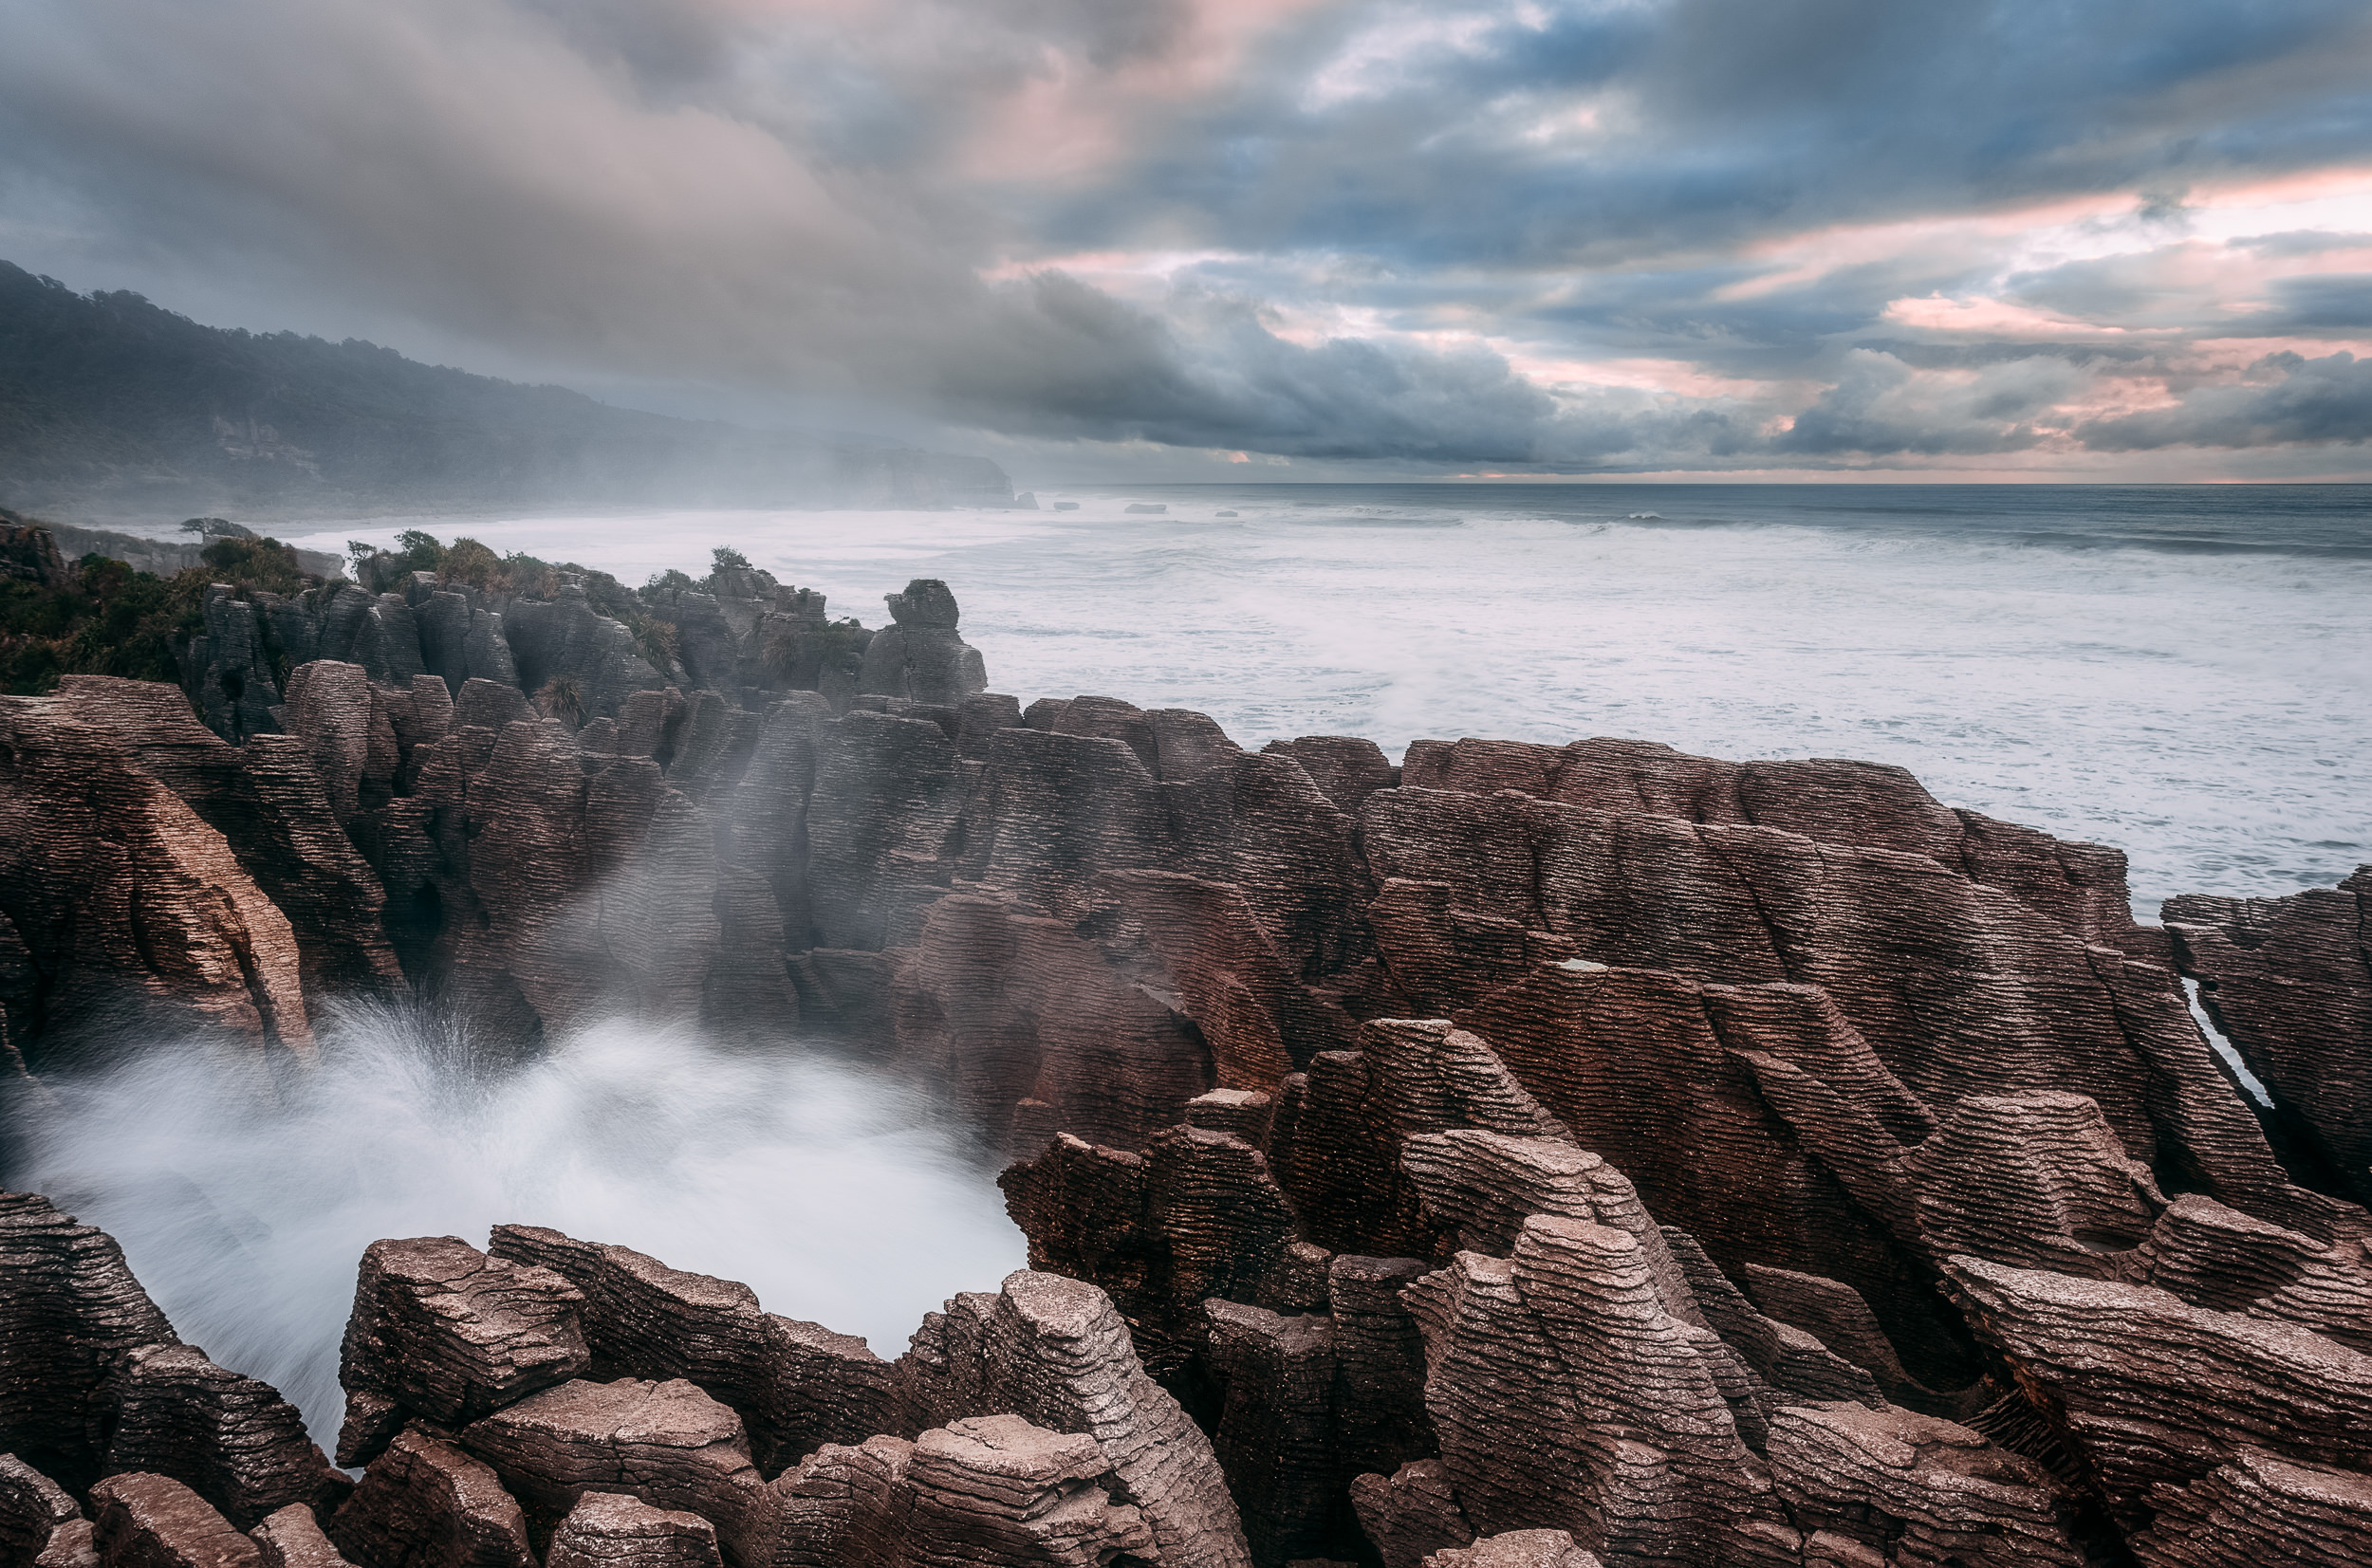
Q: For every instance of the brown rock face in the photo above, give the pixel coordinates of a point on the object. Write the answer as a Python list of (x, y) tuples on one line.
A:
[(169, 1411), (795, 1385), (1517, 1549), (667, 1444), (268, 803), (607, 1530), (1627, 1419), (441, 1330), (129, 911), (69, 1312), (1896, 1487), (2155, 1393), (2289, 981), (997, 1489), (2261, 1509), (423, 1503), (292, 1538), (40, 1525), (1053, 1352), (153, 1522)]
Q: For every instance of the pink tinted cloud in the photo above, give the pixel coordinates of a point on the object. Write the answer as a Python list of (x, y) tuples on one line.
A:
[(1074, 120)]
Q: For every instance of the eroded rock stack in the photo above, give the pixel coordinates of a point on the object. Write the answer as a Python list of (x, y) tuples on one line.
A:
[(1527, 1155)]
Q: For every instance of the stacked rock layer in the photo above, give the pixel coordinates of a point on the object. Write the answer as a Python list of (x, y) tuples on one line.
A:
[(1525, 1155)]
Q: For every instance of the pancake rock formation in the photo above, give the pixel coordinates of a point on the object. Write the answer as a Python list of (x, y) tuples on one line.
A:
[(1523, 1154)]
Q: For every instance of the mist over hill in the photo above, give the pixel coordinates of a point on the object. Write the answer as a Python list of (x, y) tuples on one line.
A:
[(113, 408)]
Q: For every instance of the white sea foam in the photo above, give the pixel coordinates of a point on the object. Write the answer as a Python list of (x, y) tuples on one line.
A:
[(244, 1198)]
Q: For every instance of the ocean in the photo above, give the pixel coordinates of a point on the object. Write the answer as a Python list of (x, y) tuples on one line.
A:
[(2183, 671)]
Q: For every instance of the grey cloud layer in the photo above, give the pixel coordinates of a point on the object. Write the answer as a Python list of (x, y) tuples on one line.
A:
[(791, 199)]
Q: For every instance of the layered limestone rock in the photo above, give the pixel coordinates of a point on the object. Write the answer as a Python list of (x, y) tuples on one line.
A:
[(1627, 1419), (996, 1489), (70, 1312), (293, 1538), (1892, 1486), (2080, 886), (40, 1525), (423, 1503), (1517, 1549), (154, 1521), (124, 910), (2260, 1509), (2289, 981), (1053, 1352), (919, 657), (795, 1385), (2157, 1394), (666, 1444), (441, 1331), (166, 1409), (607, 1530)]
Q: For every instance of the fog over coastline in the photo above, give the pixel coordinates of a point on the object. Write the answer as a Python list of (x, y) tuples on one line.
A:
[(1336, 238), (244, 1191)]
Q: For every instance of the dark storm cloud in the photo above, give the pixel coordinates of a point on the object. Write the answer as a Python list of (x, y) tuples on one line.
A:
[(1734, 117), (2317, 400), (828, 201), (1876, 407)]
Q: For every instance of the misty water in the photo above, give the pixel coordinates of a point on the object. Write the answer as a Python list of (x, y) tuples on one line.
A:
[(243, 1196), (2179, 673)]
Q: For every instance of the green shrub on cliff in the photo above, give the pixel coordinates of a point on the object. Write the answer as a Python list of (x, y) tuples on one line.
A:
[(111, 621)]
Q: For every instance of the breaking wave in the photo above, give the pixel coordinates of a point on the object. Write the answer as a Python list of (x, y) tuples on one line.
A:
[(244, 1193)]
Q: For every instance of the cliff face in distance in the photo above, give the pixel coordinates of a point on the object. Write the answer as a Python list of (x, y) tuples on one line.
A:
[(112, 408), (1581, 1156)]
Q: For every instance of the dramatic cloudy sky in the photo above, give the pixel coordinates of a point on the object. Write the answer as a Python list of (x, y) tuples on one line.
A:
[(1275, 238)]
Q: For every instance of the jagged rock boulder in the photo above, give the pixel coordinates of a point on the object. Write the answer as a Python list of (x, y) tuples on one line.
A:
[(70, 1310), (996, 1489), (167, 1410), (441, 1330), (1626, 1427), (154, 1521), (2261, 1509), (1895, 1487), (667, 1444), (921, 658), (40, 1525), (2155, 1393), (424, 1503), (292, 1538), (796, 1385), (267, 801), (1517, 1549), (1411, 1515), (588, 659), (607, 1530), (124, 910), (1053, 1352)]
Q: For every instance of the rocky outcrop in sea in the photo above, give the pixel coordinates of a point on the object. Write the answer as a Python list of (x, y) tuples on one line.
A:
[(1522, 1155)]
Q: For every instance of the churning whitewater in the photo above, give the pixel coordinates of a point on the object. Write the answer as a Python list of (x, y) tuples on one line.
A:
[(243, 1194)]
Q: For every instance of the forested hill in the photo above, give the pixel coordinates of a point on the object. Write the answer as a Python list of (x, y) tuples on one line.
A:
[(111, 407)]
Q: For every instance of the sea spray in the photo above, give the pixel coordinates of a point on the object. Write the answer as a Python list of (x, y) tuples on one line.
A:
[(243, 1192)]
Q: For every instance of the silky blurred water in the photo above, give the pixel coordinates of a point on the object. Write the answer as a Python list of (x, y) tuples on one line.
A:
[(2183, 671), (244, 1198)]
